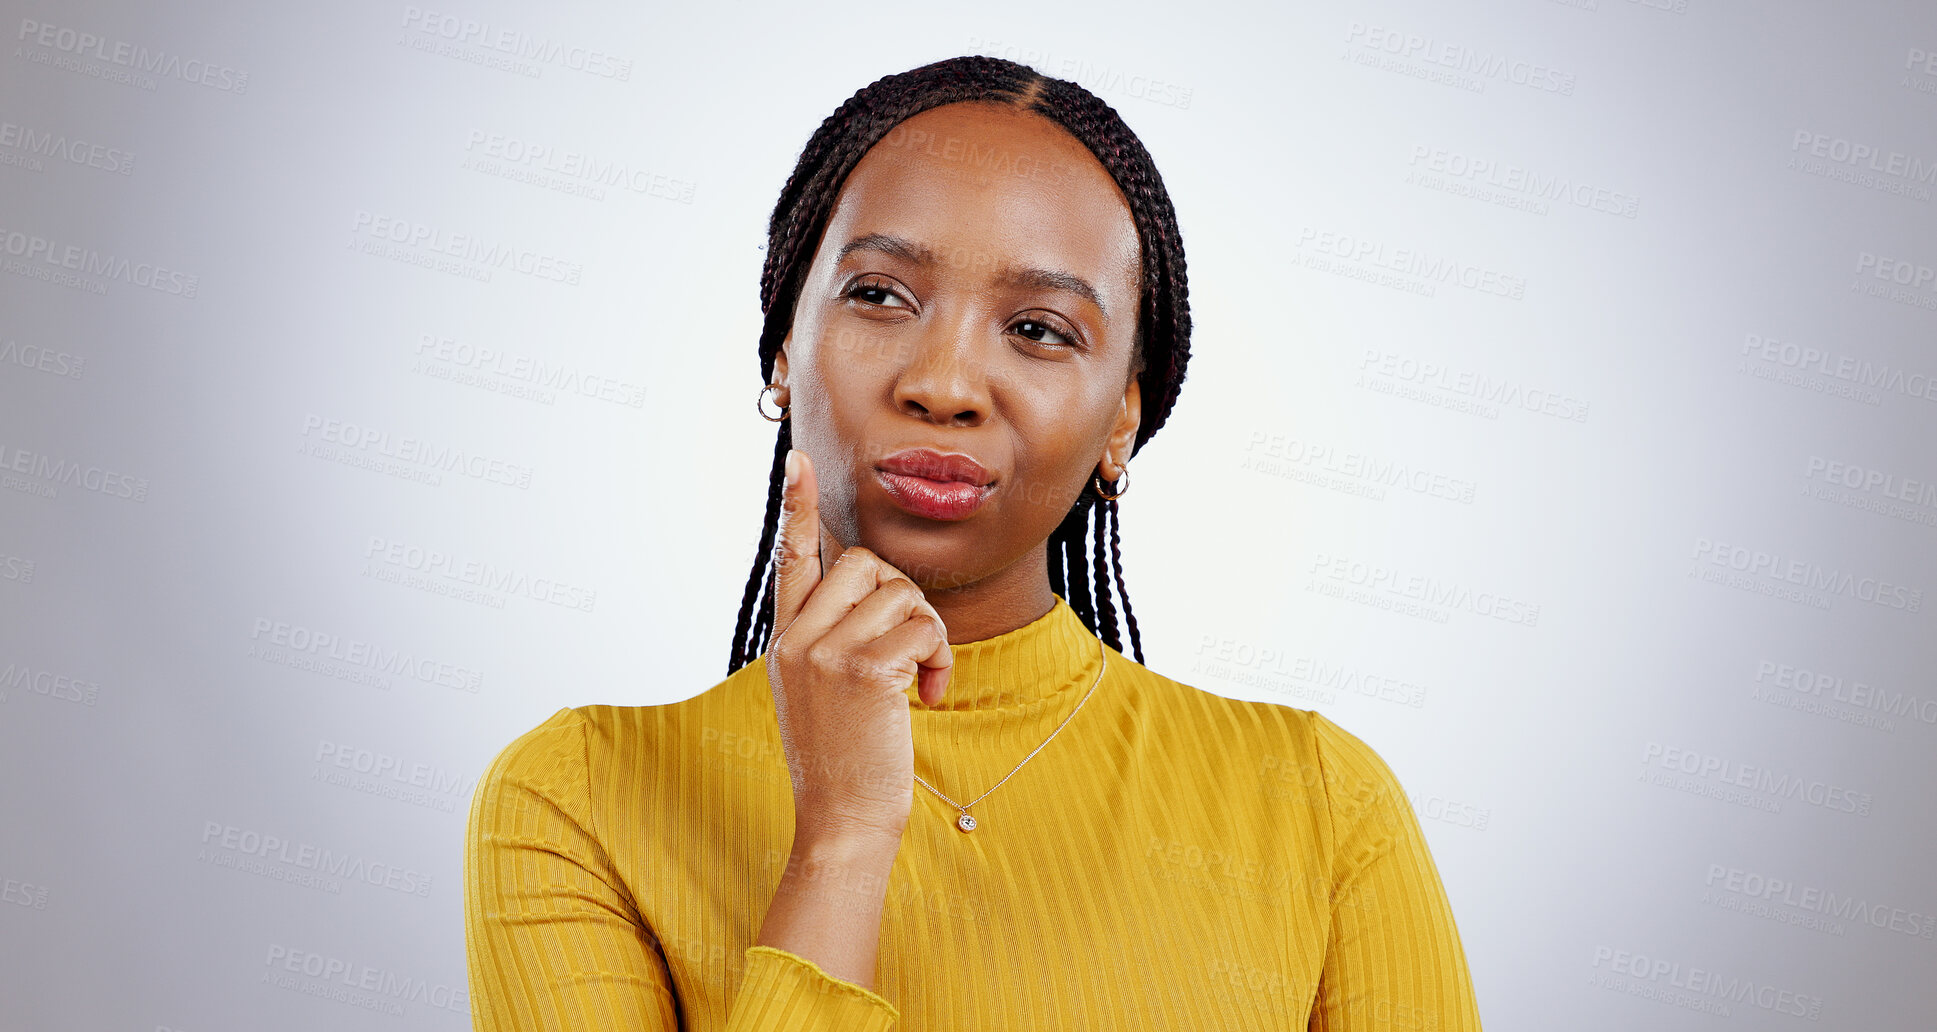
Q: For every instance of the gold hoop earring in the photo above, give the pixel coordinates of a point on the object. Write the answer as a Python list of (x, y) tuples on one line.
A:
[(760, 407), (1123, 480)]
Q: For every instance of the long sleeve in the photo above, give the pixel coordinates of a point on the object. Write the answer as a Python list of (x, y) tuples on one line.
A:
[(1394, 958), (554, 940), (620, 859)]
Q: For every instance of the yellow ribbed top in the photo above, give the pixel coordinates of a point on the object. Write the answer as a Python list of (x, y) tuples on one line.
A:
[(1172, 860)]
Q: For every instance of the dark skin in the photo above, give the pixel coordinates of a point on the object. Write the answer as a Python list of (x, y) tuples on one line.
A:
[(1032, 380), (968, 309)]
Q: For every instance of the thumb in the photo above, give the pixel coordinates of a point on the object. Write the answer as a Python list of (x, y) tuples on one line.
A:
[(797, 551)]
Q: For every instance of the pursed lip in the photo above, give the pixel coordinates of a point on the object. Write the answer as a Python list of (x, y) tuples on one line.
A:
[(935, 485), (929, 464)]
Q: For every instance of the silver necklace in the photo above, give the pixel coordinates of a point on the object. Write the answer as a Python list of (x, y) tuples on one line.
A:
[(967, 822)]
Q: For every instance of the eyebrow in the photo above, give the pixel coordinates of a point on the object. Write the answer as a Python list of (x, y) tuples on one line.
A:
[(910, 251)]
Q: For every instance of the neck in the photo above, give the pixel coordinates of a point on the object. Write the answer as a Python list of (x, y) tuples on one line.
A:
[(1016, 595)]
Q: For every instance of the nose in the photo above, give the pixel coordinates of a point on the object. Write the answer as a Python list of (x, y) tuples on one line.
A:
[(945, 381)]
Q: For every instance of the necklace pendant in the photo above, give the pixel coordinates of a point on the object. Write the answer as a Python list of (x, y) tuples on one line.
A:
[(965, 822)]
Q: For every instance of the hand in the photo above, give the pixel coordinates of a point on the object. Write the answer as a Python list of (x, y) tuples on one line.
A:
[(845, 647)]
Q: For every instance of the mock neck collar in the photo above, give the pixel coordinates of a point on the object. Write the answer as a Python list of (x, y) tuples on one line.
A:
[(1052, 656)]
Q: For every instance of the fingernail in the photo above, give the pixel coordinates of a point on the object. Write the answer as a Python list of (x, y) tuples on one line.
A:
[(793, 466)]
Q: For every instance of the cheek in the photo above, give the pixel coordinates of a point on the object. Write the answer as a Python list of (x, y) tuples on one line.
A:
[(818, 377), (831, 401), (857, 347), (1057, 451)]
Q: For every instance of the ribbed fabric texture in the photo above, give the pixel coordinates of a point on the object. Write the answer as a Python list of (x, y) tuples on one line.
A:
[(1172, 860)]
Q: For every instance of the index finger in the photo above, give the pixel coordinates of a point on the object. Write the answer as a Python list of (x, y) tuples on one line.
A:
[(797, 551)]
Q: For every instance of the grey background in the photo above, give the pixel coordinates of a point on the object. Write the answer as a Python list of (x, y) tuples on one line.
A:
[(1575, 663)]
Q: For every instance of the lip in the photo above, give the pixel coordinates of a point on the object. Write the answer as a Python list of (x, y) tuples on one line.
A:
[(935, 485)]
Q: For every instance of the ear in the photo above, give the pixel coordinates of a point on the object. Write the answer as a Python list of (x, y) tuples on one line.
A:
[(1123, 434), (780, 371)]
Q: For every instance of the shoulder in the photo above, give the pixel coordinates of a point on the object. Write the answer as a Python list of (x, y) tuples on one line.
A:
[(1293, 753), (576, 741), (540, 755), (1283, 734), (1353, 769)]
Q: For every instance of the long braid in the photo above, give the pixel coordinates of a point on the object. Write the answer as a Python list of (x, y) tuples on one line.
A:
[(747, 631), (1116, 553), (1057, 582), (1105, 611), (765, 623), (1068, 537), (1162, 350), (1081, 597)]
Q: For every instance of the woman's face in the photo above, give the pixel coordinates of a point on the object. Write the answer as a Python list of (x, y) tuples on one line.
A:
[(975, 295)]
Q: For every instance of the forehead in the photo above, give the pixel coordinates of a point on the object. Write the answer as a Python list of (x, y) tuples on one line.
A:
[(987, 187)]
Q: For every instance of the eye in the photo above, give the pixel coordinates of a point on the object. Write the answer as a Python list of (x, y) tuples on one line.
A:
[(1043, 332), (876, 292)]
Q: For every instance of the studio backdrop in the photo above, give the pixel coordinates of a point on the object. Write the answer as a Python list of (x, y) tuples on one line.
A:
[(377, 378)]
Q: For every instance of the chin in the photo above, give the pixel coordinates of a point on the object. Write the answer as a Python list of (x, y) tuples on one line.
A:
[(931, 554)]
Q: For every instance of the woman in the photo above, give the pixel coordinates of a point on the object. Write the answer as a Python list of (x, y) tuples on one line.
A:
[(976, 313)]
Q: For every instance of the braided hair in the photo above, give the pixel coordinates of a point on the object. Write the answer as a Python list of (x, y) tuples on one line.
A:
[(1162, 346)]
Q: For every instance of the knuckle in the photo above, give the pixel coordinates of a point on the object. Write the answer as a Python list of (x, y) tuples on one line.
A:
[(860, 554), (866, 668), (822, 656), (906, 593), (854, 668)]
